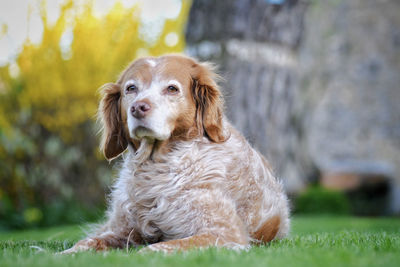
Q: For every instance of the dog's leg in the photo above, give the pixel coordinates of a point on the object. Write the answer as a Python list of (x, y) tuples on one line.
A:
[(219, 223), (105, 241), (267, 230), (196, 241)]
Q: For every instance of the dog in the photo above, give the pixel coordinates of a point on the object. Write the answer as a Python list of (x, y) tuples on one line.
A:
[(188, 178)]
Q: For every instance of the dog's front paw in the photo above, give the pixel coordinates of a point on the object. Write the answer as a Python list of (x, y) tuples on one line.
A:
[(158, 247), (87, 244)]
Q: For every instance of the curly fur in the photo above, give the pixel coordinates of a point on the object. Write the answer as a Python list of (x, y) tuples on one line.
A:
[(201, 186)]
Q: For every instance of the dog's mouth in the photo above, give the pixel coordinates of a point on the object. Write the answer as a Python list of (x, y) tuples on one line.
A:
[(141, 132), (144, 130)]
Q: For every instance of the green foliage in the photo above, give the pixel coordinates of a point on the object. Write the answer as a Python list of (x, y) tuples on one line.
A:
[(318, 200), (51, 170), (315, 241)]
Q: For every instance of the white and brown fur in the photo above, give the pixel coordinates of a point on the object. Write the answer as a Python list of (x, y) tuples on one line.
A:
[(188, 178)]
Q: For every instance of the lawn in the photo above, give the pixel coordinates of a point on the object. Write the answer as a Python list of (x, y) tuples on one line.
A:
[(314, 241)]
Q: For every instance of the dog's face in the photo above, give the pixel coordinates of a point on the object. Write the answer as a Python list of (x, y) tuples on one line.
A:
[(170, 97), (155, 94)]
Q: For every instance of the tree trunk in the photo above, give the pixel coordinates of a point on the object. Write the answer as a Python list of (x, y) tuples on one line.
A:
[(350, 89), (256, 43)]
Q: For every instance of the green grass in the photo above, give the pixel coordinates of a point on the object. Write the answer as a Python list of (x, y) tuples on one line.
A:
[(314, 241)]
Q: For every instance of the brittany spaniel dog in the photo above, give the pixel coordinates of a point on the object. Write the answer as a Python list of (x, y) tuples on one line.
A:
[(188, 178)]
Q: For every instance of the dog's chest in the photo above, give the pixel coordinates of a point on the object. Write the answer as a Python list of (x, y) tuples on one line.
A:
[(160, 200), (161, 194)]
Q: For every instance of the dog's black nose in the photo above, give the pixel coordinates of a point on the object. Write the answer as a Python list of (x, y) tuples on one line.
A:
[(140, 109)]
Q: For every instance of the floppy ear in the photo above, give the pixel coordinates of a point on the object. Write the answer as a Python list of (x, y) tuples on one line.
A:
[(209, 104), (113, 141)]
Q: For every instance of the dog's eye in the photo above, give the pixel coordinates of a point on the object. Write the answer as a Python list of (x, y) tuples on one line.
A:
[(131, 88), (172, 89)]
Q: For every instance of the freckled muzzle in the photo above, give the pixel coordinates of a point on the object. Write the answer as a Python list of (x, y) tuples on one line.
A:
[(145, 119)]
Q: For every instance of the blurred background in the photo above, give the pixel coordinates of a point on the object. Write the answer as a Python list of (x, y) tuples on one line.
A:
[(314, 85)]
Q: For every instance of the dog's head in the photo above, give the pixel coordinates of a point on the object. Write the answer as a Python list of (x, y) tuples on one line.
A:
[(164, 98)]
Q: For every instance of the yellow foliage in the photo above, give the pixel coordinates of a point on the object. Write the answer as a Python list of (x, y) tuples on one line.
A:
[(5, 88), (60, 87)]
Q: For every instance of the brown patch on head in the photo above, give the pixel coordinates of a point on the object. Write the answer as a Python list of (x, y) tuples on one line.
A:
[(203, 116), (268, 230), (177, 67), (140, 69)]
